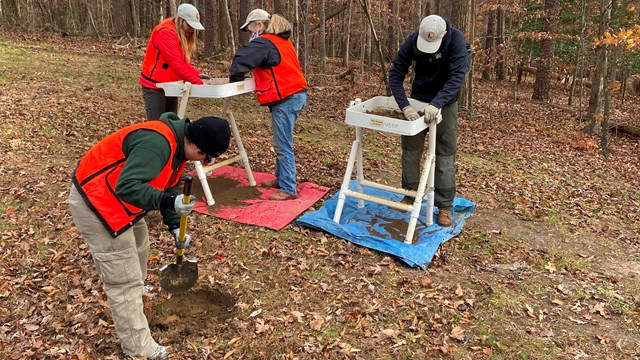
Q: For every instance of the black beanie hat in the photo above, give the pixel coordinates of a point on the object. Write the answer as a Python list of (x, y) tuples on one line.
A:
[(210, 134)]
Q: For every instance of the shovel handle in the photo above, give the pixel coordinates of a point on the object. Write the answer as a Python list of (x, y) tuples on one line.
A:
[(188, 180)]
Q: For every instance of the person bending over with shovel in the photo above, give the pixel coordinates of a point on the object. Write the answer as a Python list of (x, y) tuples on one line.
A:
[(130, 172)]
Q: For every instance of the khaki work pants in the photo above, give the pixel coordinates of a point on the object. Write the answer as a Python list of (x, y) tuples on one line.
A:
[(122, 265)]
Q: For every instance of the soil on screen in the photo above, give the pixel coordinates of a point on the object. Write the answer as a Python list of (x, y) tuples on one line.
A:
[(226, 192)]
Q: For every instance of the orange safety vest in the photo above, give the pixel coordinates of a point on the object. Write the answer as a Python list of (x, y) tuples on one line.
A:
[(154, 67), (282, 80), (99, 170)]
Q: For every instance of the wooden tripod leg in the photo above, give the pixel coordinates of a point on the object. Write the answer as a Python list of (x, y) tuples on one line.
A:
[(345, 181), (186, 91), (236, 134)]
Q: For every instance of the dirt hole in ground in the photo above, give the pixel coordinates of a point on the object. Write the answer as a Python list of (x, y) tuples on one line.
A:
[(190, 312)]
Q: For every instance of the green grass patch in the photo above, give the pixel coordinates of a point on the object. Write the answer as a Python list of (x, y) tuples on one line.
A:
[(331, 332), (15, 54), (316, 274), (572, 263), (43, 248)]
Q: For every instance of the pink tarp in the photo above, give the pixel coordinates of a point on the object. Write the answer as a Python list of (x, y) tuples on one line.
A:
[(257, 210)]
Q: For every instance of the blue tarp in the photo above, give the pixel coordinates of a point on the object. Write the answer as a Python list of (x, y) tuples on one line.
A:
[(382, 228)]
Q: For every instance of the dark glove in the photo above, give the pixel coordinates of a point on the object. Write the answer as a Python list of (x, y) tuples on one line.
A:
[(236, 78), (181, 208), (204, 76), (181, 244)]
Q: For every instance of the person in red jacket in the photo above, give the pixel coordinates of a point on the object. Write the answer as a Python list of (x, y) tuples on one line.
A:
[(280, 85), (169, 51)]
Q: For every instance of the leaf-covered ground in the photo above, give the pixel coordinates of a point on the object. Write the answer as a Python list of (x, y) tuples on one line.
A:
[(547, 267)]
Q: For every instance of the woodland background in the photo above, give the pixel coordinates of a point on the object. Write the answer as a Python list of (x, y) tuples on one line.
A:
[(546, 268), (587, 43)]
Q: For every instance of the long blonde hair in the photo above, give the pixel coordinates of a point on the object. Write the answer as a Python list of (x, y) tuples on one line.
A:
[(278, 24), (188, 43)]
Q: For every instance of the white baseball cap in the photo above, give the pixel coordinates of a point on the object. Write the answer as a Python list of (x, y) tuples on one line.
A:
[(432, 30), (255, 15), (190, 14)]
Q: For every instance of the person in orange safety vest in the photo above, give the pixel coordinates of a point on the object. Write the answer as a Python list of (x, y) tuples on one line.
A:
[(167, 58), (130, 172), (280, 85)]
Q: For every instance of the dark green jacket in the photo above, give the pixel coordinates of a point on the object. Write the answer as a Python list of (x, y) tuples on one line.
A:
[(147, 153)]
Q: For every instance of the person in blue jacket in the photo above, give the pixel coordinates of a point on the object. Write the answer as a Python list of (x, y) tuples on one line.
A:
[(280, 85), (438, 54)]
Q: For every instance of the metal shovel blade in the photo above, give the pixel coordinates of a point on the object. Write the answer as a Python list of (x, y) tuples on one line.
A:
[(177, 278)]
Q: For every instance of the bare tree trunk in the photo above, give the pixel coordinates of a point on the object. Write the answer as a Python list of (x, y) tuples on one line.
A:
[(383, 67), (46, 13), (230, 25), (487, 69), (393, 28), (363, 46), (122, 18), (458, 12), (302, 55), (579, 65), (278, 7), (347, 36), (542, 85), (173, 8), (296, 26), (322, 40), (501, 68), (10, 14), (93, 24), (432, 7), (221, 28), (604, 134), (105, 16), (594, 112), (136, 18), (471, 61), (209, 24), (70, 22), (419, 11), (246, 6)]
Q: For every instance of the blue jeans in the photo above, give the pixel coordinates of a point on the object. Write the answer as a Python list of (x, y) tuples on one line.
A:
[(283, 118)]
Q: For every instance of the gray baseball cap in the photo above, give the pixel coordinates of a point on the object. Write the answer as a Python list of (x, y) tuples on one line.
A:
[(190, 14), (255, 15), (432, 30)]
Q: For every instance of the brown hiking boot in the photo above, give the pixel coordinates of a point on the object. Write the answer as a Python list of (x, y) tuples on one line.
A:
[(444, 218), (282, 196), (273, 183)]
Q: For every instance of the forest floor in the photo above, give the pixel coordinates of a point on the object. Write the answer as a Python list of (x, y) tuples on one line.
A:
[(548, 266)]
